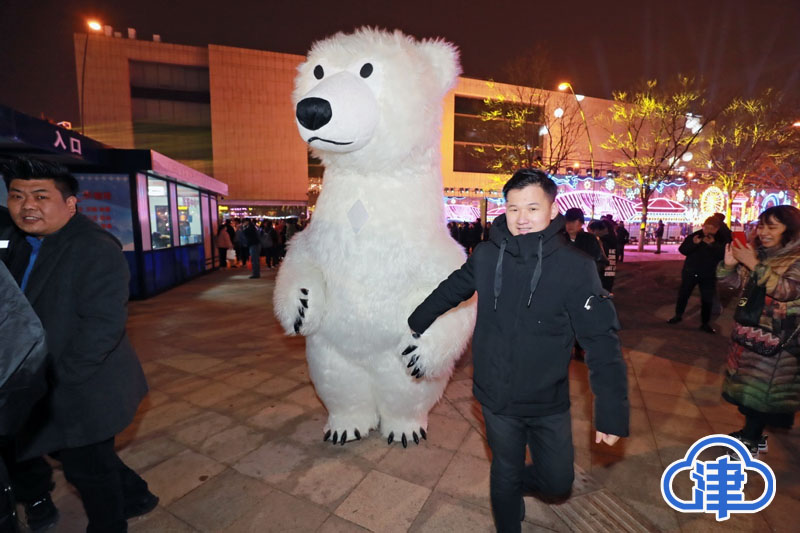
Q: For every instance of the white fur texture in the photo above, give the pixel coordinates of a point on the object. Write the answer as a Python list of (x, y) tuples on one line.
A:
[(363, 281)]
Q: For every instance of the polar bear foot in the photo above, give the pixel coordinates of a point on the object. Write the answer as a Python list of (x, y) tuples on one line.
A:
[(336, 438), (404, 440)]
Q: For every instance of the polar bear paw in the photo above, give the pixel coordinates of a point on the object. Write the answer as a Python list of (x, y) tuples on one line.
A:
[(302, 307), (404, 440)]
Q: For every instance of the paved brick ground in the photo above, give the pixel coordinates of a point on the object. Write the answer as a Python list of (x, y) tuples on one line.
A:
[(230, 435)]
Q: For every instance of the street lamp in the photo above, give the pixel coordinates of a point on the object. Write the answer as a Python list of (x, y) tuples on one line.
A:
[(563, 86), (95, 26)]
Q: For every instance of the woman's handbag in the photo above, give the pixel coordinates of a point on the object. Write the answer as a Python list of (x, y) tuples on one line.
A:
[(751, 303), (759, 340)]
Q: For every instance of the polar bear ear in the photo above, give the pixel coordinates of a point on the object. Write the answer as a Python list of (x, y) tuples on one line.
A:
[(444, 61)]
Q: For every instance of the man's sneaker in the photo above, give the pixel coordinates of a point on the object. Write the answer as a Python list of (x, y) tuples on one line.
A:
[(762, 444), (141, 507), (751, 445), (41, 515), (707, 328), (674, 320)]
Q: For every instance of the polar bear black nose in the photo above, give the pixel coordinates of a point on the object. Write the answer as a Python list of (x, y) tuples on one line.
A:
[(313, 113)]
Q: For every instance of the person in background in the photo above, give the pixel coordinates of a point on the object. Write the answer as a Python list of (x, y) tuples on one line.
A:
[(76, 279), (659, 233), (623, 238), (703, 252), (253, 241), (766, 388), (600, 229), (588, 243), (224, 243)]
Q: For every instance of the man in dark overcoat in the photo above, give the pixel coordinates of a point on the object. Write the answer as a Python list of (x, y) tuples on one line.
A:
[(76, 278)]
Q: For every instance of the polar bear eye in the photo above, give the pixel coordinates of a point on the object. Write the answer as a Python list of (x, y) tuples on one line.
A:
[(366, 70), (319, 72)]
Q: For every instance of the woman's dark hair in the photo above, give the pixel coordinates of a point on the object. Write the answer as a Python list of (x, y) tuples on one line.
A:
[(785, 214), (530, 176), (23, 168)]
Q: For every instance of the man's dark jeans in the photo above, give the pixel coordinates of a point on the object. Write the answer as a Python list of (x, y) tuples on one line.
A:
[(708, 287), (549, 439)]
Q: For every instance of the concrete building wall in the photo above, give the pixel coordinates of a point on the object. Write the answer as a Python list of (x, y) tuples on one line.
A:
[(257, 150)]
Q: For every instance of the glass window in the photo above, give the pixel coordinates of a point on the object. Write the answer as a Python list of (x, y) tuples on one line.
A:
[(160, 222), (190, 226)]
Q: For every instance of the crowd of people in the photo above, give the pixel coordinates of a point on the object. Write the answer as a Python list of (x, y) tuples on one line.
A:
[(240, 241), (543, 283)]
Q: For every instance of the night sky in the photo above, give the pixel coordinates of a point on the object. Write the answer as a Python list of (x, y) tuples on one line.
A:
[(737, 45)]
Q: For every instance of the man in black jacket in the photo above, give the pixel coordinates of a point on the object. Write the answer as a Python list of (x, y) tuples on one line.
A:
[(76, 278), (533, 291), (703, 251), (583, 241)]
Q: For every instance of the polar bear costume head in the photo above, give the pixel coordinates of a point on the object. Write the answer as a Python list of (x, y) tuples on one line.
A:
[(368, 100)]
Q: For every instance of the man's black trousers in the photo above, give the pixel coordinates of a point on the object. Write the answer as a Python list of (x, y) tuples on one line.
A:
[(708, 287), (104, 482), (549, 439)]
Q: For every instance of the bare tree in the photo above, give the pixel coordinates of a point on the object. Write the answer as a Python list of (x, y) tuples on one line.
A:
[(741, 142), (782, 168), (652, 129), (519, 128)]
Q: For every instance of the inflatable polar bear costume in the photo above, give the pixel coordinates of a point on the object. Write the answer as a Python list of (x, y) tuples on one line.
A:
[(369, 104)]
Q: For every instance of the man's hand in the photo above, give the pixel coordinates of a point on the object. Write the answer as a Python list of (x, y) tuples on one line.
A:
[(606, 438), (745, 254), (708, 239)]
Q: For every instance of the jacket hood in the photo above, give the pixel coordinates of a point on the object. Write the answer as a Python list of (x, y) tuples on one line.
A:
[(539, 244)]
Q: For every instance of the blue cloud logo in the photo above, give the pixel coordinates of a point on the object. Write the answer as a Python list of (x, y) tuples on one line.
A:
[(718, 485)]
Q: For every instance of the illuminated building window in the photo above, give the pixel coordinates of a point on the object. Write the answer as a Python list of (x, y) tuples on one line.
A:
[(160, 218)]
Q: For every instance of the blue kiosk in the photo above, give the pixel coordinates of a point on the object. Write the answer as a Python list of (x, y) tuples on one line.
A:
[(163, 212)]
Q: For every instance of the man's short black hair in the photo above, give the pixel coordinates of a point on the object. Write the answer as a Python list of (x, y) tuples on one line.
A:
[(24, 168), (530, 176), (574, 213)]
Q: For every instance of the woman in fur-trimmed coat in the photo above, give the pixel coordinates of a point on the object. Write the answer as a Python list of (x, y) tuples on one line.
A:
[(767, 388)]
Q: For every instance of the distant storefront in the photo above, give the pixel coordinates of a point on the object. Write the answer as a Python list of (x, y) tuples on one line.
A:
[(163, 212)]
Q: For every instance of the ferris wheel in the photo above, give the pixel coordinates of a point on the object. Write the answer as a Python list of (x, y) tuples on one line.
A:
[(711, 201)]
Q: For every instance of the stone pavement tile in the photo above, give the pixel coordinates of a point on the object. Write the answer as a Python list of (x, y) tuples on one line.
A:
[(781, 514), (334, 524), (195, 430), (273, 461), (326, 482), (221, 501), (308, 430), (190, 362), (305, 396), (475, 444), (161, 521), (672, 386), (277, 386), (458, 390), (180, 474), (694, 375), (445, 514), (466, 478), (221, 370), (184, 385), (165, 376), (73, 517), (211, 394), (707, 523), (160, 417), (722, 413), (242, 405), (154, 398), (670, 404), (146, 453), (540, 517), (446, 432), (471, 411), (245, 379), (232, 444), (445, 408), (298, 373), (676, 428), (384, 503), (280, 513), (423, 464), (275, 415)]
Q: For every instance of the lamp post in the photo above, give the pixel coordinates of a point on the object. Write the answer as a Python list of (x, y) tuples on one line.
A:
[(96, 27), (563, 86)]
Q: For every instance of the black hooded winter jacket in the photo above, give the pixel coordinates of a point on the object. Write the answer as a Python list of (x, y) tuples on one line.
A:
[(535, 295)]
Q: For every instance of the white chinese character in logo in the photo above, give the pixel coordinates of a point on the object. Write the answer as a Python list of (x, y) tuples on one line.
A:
[(59, 141), (75, 145)]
